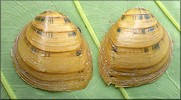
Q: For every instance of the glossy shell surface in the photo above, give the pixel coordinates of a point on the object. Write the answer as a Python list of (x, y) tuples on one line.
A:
[(51, 54), (135, 51)]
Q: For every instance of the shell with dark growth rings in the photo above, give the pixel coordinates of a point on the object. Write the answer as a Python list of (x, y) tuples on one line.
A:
[(51, 54), (135, 51)]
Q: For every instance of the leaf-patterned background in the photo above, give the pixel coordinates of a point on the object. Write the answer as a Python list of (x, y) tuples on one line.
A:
[(101, 15)]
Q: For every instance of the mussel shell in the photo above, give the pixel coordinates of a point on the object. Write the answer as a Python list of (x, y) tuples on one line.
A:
[(135, 51), (51, 54)]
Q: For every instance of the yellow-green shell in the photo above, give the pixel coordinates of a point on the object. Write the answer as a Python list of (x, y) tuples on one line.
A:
[(51, 54), (135, 51)]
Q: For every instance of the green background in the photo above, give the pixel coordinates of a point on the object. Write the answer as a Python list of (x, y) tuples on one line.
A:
[(101, 15)]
